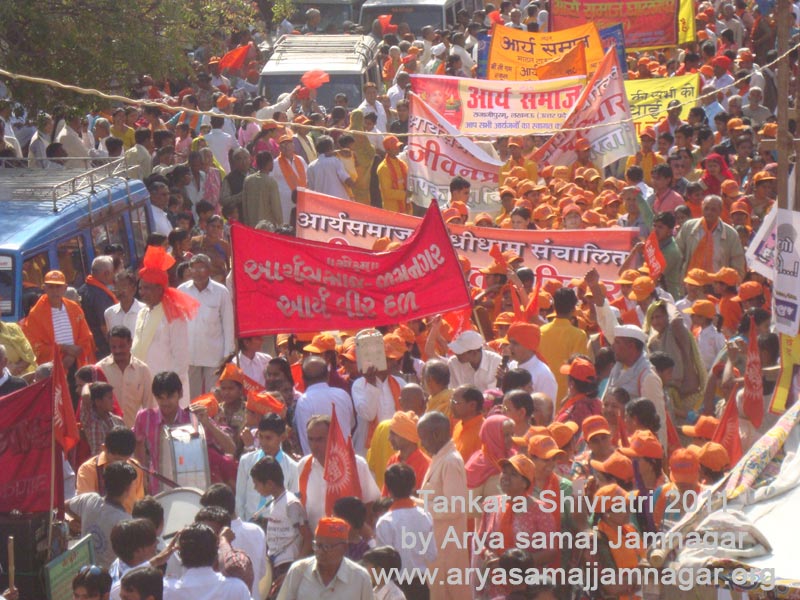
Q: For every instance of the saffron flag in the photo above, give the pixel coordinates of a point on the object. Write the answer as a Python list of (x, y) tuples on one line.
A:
[(288, 284), (727, 432), (26, 430), (459, 321), (571, 63), (64, 423), (673, 439), (753, 401), (654, 257), (235, 59), (341, 470), (601, 116)]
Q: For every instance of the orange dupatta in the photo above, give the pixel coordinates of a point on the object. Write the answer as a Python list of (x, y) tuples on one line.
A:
[(295, 175), (303, 483), (703, 257), (92, 280)]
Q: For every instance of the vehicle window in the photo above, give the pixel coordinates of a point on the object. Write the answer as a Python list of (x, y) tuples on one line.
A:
[(140, 230), (72, 261), (110, 232), (331, 15), (7, 295), (33, 271), (416, 17)]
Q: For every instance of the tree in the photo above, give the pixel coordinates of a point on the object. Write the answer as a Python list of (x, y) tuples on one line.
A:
[(107, 44)]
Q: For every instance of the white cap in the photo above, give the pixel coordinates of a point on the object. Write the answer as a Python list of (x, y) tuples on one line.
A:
[(630, 331), (466, 341), (438, 49)]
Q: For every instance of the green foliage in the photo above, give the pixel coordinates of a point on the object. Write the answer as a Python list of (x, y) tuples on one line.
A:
[(107, 44)]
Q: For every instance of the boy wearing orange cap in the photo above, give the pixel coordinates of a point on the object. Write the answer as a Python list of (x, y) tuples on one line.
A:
[(709, 341), (714, 462), (524, 339), (328, 573), (678, 496)]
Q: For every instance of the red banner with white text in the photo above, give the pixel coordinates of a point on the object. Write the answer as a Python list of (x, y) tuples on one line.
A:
[(26, 448), (560, 254), (285, 284)]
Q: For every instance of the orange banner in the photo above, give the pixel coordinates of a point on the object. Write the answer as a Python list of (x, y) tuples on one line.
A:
[(562, 254), (517, 55)]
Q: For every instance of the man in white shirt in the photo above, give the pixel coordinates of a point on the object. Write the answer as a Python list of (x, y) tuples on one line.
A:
[(328, 574), (248, 537), (211, 335), (311, 469), (139, 158), (319, 398), (372, 105), (41, 139), (473, 364), (70, 139), (159, 199), (523, 340), (730, 21), (123, 313), (271, 433), (398, 90), (457, 49), (289, 171), (327, 174), (221, 143), (252, 362), (198, 545)]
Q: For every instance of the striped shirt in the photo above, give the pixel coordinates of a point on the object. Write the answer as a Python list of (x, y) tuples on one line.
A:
[(62, 328), (147, 429)]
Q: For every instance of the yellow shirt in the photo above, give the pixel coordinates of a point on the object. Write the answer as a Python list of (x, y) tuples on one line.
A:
[(393, 196), (528, 165), (466, 436), (649, 160), (126, 134), (560, 340), (379, 452), (440, 401)]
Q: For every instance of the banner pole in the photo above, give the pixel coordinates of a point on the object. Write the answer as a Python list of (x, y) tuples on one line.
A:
[(52, 465)]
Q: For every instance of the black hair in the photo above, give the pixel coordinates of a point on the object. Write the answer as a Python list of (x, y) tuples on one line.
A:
[(217, 122), (385, 558), (99, 390), (117, 477), (145, 581), (516, 379), (220, 495), (284, 366), (121, 331), (149, 508), (520, 399), (198, 546), (272, 422), (471, 393), (156, 239), (352, 510), (661, 361), (603, 358), (759, 314), (142, 135), (167, 383), (267, 469), (621, 395), (400, 480), (644, 411), (120, 441), (129, 536), (213, 514), (459, 183), (665, 218), (263, 160), (662, 170), (96, 580), (203, 206), (564, 301)]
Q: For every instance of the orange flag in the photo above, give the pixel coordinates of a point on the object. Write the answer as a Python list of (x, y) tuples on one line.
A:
[(654, 257), (498, 257), (673, 439), (753, 401), (65, 427), (341, 470), (459, 321), (235, 58), (727, 432), (571, 63)]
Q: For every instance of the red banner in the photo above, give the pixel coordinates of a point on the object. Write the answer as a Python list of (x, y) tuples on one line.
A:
[(341, 470), (552, 254), (284, 284), (654, 257), (26, 430)]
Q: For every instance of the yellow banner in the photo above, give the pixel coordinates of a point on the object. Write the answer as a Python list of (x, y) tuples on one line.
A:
[(649, 98), (516, 55), (687, 32)]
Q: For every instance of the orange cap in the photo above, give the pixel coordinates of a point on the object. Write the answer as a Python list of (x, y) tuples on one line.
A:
[(643, 444), (617, 465), (210, 403), (697, 277), (582, 144), (55, 278), (735, 124), (594, 425), (394, 346), (515, 141), (580, 369), (702, 308), (450, 214), (726, 275), (484, 219), (494, 269), (740, 206), (504, 318), (748, 290), (544, 447), (332, 527), (381, 244), (704, 428), (570, 209), (543, 212), (729, 188), (763, 176), (562, 433), (684, 466), (648, 131), (714, 456), (464, 263), (627, 277), (405, 333), (643, 288), (522, 465), (324, 342), (769, 130), (461, 208), (232, 373), (348, 349), (611, 490), (506, 190)]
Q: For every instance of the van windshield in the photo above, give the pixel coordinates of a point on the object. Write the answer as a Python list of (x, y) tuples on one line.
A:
[(332, 15), (6, 285), (340, 83), (416, 16)]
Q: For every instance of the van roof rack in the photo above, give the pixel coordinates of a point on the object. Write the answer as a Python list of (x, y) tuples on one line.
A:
[(37, 185)]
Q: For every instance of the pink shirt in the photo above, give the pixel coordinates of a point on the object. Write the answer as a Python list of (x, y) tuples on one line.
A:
[(147, 429)]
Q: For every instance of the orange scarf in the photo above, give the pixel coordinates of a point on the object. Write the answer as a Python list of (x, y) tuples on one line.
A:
[(703, 257), (569, 404), (397, 182), (294, 175), (303, 483), (395, 388), (507, 526), (92, 280), (624, 557), (403, 503)]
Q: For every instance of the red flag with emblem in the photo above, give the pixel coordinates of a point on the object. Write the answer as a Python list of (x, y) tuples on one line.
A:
[(65, 426), (654, 257), (341, 470), (727, 432), (753, 401)]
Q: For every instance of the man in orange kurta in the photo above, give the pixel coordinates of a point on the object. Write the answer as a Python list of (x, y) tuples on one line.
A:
[(467, 405), (75, 341)]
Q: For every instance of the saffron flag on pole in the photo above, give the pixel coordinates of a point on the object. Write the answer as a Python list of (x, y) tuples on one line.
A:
[(571, 63), (235, 59), (653, 256), (65, 427), (753, 400), (341, 470), (727, 432), (601, 116)]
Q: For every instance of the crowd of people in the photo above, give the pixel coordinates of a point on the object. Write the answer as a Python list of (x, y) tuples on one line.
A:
[(578, 393)]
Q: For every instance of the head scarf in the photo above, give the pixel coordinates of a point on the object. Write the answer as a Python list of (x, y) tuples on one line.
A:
[(714, 185), (176, 304), (483, 464), (404, 424)]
